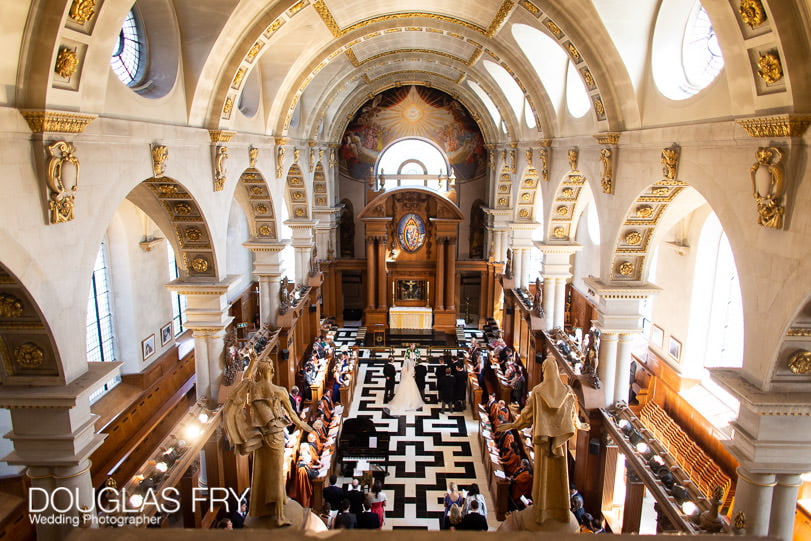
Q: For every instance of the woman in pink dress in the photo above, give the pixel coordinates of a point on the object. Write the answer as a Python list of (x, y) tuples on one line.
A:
[(377, 499)]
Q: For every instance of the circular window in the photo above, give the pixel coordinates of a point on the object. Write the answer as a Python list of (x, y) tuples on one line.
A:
[(694, 49), (128, 53)]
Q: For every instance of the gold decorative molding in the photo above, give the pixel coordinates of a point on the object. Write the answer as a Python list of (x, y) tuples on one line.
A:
[(670, 161), (199, 264), (63, 167), (160, 154), (56, 121), (770, 207), (626, 268), (238, 78), (221, 136), (608, 138), (559, 232), (800, 362), (66, 62), (220, 157), (498, 20), (29, 355), (350, 54), (644, 211), (326, 16), (752, 13), (607, 173), (10, 306), (228, 107), (574, 53), (253, 154), (769, 68), (555, 29), (572, 154), (776, 125), (799, 331), (588, 78), (529, 6), (599, 108), (82, 11), (633, 238), (254, 50)]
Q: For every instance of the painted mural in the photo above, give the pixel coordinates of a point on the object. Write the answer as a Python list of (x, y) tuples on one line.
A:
[(413, 111)]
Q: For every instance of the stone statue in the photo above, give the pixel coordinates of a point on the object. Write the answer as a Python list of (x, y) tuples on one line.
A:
[(508, 267), (537, 301), (710, 520), (254, 418), (284, 296), (551, 411)]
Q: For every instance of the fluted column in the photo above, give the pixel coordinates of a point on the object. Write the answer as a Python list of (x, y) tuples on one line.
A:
[(607, 368), (623, 374), (439, 294), (784, 505), (549, 301), (381, 272), (450, 292), (267, 268), (370, 273), (753, 496), (560, 302)]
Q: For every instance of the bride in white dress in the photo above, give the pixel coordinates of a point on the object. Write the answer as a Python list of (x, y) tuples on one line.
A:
[(408, 395)]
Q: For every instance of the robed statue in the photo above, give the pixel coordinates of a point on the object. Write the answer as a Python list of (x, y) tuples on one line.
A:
[(551, 411), (255, 416)]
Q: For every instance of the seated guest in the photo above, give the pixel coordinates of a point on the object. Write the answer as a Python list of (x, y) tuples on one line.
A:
[(346, 519), (368, 519), (521, 483), (327, 516), (511, 458), (320, 429), (519, 385), (316, 444), (296, 399), (473, 520), (225, 524), (238, 516), (333, 494), (576, 504)]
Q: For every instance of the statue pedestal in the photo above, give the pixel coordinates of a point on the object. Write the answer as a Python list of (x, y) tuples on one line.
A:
[(300, 519), (525, 521)]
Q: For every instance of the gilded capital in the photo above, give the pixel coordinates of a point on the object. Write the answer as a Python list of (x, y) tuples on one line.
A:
[(56, 121), (608, 138), (776, 125), (221, 136)]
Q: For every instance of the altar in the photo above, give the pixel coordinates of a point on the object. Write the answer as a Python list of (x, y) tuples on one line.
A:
[(410, 317)]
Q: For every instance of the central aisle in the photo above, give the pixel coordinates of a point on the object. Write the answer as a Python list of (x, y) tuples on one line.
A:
[(428, 449)]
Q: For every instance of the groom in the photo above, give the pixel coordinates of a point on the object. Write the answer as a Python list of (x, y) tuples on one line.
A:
[(389, 372)]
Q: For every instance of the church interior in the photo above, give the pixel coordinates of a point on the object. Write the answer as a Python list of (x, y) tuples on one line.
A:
[(596, 203)]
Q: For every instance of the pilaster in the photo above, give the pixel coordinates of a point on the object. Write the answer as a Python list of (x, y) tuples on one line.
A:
[(557, 269)]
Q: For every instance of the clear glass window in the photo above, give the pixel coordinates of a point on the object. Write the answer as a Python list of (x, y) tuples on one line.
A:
[(128, 54), (179, 305), (100, 333)]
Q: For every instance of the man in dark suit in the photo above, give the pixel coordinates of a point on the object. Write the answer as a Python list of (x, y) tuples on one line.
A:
[(368, 520), (420, 371), (355, 496), (446, 386), (389, 372), (345, 519), (238, 517), (459, 387), (473, 520), (333, 494)]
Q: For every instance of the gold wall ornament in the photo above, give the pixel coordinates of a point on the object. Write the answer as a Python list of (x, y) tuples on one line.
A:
[(160, 154), (280, 152), (501, 16), (56, 121), (633, 238), (199, 264), (768, 194), (253, 154), (264, 231), (524, 213), (82, 11), (193, 234), (529, 6), (559, 232), (543, 157), (312, 158), (10, 306), (572, 154), (776, 125), (168, 189), (644, 211), (607, 176), (660, 191), (555, 29), (66, 62), (221, 136), (254, 50), (261, 209), (567, 192), (512, 161), (62, 178), (626, 268), (588, 77), (528, 155), (239, 76), (670, 161), (562, 210), (574, 53), (769, 68), (599, 108), (752, 13), (227, 107), (800, 362), (300, 212), (332, 157), (798, 331), (221, 155), (182, 209), (29, 355)]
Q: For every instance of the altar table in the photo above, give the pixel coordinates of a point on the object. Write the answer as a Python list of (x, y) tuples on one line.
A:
[(410, 317)]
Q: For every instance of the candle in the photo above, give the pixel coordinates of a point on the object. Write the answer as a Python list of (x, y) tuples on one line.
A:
[(392, 292), (428, 293)]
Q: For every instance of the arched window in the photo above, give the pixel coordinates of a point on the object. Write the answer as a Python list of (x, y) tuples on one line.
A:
[(179, 304), (577, 98), (100, 329), (412, 162), (127, 59)]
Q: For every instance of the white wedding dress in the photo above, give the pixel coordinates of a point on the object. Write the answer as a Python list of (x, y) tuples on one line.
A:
[(408, 396)]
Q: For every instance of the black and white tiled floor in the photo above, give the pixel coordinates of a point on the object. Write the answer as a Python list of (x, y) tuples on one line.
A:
[(428, 449)]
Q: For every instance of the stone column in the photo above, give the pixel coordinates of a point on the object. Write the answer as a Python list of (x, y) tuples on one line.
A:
[(753, 496), (53, 432), (518, 268), (439, 294), (207, 318), (607, 369), (267, 268), (784, 506), (560, 301), (381, 269), (326, 231), (549, 302), (302, 242), (450, 292), (623, 374), (556, 270), (370, 272)]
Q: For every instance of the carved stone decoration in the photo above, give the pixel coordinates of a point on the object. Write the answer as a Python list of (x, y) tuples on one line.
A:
[(513, 165), (312, 158), (607, 174), (280, 152), (800, 362), (559, 232), (233, 362), (63, 168), (528, 154), (82, 11), (670, 161), (572, 154), (644, 211), (199, 264), (56, 121), (29, 355), (253, 154), (769, 68), (768, 195), (508, 266), (160, 154), (633, 238), (626, 268), (66, 62), (10, 306), (332, 158), (752, 13), (193, 234), (221, 155), (284, 296), (776, 125), (296, 154)]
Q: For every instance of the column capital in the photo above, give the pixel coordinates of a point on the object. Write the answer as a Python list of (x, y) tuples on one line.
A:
[(554, 248), (619, 307), (202, 288), (273, 246)]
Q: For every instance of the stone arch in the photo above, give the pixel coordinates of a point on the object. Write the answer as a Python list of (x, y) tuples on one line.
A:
[(174, 209), (321, 196), (793, 362), (478, 221), (567, 206), (28, 352), (347, 228), (297, 194), (258, 205)]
